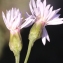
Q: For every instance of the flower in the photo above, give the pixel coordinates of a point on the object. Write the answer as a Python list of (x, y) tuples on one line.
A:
[(13, 20), (44, 14)]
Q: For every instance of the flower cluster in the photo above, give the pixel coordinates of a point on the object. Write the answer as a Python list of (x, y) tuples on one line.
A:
[(41, 13), (41, 16)]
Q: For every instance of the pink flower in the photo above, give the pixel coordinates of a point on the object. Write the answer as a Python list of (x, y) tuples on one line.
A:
[(12, 20), (42, 13)]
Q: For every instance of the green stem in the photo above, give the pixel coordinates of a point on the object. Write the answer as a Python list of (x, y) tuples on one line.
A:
[(28, 51), (17, 58)]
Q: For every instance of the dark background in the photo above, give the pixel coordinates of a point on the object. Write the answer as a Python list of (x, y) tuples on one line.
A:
[(50, 53)]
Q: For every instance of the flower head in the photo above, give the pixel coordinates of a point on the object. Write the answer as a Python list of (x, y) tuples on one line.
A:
[(44, 14), (12, 20)]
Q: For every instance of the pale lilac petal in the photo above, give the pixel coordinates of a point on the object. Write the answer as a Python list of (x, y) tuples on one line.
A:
[(4, 18), (41, 8), (33, 3), (16, 18), (44, 3), (55, 21), (38, 2), (12, 14), (44, 40), (8, 15), (5, 21), (16, 13), (28, 22), (45, 36), (27, 14), (53, 14), (46, 11), (30, 17), (31, 9), (17, 22), (50, 11), (55, 17), (36, 12)]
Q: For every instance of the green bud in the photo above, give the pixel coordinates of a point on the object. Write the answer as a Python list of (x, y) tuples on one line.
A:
[(35, 32), (15, 43)]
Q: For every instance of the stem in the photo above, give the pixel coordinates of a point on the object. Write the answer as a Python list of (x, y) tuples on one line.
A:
[(28, 51), (17, 58)]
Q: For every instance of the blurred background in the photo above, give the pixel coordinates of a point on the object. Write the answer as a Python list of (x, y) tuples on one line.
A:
[(50, 53)]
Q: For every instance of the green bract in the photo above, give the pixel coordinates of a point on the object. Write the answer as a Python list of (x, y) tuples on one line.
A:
[(15, 43), (35, 32)]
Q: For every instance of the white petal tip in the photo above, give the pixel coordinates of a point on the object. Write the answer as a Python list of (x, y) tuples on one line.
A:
[(48, 40), (44, 41), (44, 44)]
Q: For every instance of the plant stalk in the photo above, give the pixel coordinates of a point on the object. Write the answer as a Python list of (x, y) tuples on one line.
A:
[(17, 58), (28, 51)]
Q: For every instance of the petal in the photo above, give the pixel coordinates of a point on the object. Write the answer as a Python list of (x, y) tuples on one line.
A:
[(30, 5), (8, 15), (44, 3), (12, 14), (53, 14), (55, 17), (4, 19), (15, 14), (27, 14), (55, 21), (33, 3), (17, 22), (38, 2), (44, 40), (36, 12), (46, 11), (27, 24), (29, 21), (41, 8), (48, 37), (50, 11), (45, 36)]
